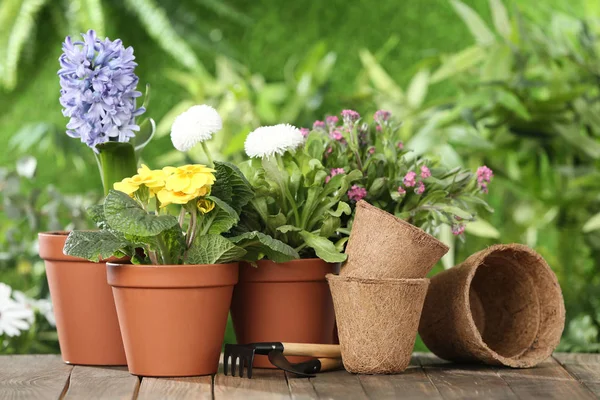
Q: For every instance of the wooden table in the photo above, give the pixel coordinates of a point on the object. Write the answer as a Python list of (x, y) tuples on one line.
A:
[(565, 376)]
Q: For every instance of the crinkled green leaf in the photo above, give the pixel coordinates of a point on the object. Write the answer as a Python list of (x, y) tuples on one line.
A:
[(125, 215), (213, 249), (324, 248), (96, 214), (231, 186), (93, 245), (259, 245), (223, 218)]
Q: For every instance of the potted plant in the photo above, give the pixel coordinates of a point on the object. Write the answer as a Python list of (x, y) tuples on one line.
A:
[(174, 297), (98, 95)]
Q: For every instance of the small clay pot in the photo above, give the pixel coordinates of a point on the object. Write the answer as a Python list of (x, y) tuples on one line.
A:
[(377, 321), (502, 306), (384, 246), (172, 317), (86, 318), (285, 302)]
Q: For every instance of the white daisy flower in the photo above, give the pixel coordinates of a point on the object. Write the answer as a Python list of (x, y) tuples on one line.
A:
[(194, 126), (14, 317), (269, 140), (42, 306)]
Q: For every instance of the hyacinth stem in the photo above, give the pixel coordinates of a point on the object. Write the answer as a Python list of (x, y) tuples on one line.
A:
[(117, 161), (207, 152)]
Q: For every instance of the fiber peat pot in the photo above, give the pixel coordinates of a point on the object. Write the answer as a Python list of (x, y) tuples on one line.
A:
[(285, 302), (402, 250), (502, 306), (172, 317), (86, 318), (377, 321)]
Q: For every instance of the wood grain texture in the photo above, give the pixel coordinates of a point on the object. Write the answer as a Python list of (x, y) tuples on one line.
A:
[(301, 388), (339, 385), (583, 367), (199, 387), (411, 384), (33, 377), (265, 384), (88, 382)]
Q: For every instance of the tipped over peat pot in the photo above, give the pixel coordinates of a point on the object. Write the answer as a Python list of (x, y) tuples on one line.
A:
[(384, 246), (284, 302), (502, 306), (86, 318), (377, 321), (172, 317)]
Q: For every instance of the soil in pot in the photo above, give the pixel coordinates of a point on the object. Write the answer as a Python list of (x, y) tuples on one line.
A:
[(285, 302), (86, 318), (173, 317)]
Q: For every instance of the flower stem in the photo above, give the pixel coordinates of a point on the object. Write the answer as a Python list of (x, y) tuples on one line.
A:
[(117, 162), (286, 192), (210, 160)]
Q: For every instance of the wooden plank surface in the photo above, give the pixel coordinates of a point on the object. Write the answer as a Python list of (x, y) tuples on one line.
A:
[(584, 367), (176, 388), (101, 383), (33, 377), (265, 384), (339, 385)]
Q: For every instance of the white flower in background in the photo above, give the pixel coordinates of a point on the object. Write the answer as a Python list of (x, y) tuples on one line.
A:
[(194, 126), (41, 306), (14, 317), (269, 140)]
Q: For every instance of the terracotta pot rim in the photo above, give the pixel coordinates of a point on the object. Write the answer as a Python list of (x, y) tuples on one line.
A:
[(171, 276), (300, 270), (51, 248), (380, 281)]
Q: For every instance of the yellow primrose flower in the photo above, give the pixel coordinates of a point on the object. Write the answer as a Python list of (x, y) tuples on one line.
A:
[(152, 179), (129, 185), (190, 178), (167, 197), (205, 206)]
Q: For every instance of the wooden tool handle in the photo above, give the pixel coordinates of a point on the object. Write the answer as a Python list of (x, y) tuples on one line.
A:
[(330, 364), (312, 350)]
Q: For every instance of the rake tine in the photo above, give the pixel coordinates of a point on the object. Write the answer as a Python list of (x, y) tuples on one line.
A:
[(226, 357), (242, 359), (234, 360)]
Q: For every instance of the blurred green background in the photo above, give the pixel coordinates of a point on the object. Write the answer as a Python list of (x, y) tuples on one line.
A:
[(514, 85)]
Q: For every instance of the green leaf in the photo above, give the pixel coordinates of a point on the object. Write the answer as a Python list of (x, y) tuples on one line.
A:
[(174, 244), (231, 186), (125, 215), (482, 229), (213, 249), (592, 224), (500, 17), (573, 135), (96, 214), (342, 208), (93, 245), (458, 63), (478, 28), (259, 245), (512, 103), (324, 248), (288, 228), (417, 89), (457, 211), (380, 79)]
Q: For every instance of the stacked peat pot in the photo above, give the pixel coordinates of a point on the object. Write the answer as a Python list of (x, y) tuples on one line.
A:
[(379, 294), (502, 306)]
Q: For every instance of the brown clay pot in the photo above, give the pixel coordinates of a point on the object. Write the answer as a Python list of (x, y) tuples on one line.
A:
[(285, 302), (377, 321), (384, 246), (172, 317), (502, 306), (86, 318)]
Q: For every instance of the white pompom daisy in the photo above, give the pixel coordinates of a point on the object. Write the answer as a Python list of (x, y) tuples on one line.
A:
[(269, 140), (194, 126)]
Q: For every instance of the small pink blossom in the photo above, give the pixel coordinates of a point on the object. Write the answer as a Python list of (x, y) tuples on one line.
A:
[(318, 125), (458, 229), (400, 145), (331, 120), (357, 193), (334, 172), (381, 115), (371, 150), (420, 188), (328, 151), (336, 135), (409, 179), (401, 191), (484, 176), (350, 116), (378, 128), (425, 172), (304, 131)]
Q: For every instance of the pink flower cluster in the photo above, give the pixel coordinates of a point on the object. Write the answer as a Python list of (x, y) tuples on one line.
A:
[(334, 172), (484, 176), (336, 135), (458, 229), (410, 180), (381, 116), (357, 193), (350, 116), (318, 125), (331, 120), (304, 131)]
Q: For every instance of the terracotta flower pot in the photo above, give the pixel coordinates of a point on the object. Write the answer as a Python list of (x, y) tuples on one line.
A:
[(172, 317), (502, 306), (286, 302), (383, 246), (377, 321), (86, 318)]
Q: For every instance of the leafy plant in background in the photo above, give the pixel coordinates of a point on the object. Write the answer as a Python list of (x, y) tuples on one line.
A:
[(246, 100), (19, 19)]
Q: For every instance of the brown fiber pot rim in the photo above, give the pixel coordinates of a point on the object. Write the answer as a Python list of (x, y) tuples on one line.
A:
[(414, 229), (482, 256), (171, 276), (380, 281), (51, 248), (302, 270)]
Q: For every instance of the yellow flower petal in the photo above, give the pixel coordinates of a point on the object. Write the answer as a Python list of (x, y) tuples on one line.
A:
[(127, 186)]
